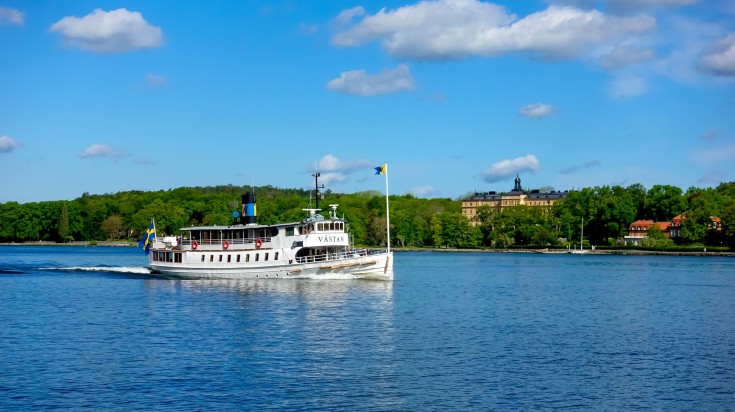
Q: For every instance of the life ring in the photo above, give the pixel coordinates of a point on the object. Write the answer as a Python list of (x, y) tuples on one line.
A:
[(194, 245), (258, 243), (226, 244)]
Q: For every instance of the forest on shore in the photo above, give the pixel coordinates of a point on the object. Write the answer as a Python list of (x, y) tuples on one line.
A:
[(605, 211)]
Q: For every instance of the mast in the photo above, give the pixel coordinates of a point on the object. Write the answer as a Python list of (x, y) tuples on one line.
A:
[(383, 170), (581, 237), (387, 208), (317, 187)]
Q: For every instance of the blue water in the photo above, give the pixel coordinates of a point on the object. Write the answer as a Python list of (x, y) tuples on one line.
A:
[(87, 328)]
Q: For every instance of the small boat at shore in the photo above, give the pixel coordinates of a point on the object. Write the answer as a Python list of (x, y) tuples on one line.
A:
[(318, 247), (581, 249)]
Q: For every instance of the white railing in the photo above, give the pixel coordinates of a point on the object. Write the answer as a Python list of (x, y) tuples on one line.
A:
[(220, 242), (324, 257)]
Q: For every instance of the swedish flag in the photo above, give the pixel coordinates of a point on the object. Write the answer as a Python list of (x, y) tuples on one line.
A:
[(382, 169), (148, 237)]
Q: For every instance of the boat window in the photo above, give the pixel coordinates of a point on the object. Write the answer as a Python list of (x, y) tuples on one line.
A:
[(247, 257), (266, 256), (289, 231), (177, 257), (229, 258), (220, 258), (257, 257), (211, 258), (238, 258), (275, 257), (202, 258)]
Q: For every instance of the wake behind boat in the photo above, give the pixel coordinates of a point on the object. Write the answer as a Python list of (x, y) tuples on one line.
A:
[(318, 247)]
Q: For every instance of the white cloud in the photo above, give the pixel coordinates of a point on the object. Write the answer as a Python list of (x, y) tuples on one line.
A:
[(360, 83), (536, 110), (625, 56), (631, 5), (335, 170), (452, 29), (309, 29), (710, 135), (574, 168), (327, 178), (11, 16), (7, 144), (721, 58), (155, 80), (144, 161), (330, 163), (717, 155), (714, 177), (101, 150), (626, 87), (346, 16), (423, 191), (505, 169), (115, 31)]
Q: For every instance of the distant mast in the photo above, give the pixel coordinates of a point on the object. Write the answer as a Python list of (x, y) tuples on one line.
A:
[(581, 237)]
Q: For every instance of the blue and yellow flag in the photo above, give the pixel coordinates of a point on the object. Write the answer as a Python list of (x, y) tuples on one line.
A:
[(382, 169), (148, 238)]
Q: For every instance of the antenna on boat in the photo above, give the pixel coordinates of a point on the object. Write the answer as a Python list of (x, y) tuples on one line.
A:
[(333, 212), (317, 187)]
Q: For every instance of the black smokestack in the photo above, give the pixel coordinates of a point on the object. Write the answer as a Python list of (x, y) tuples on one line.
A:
[(249, 209)]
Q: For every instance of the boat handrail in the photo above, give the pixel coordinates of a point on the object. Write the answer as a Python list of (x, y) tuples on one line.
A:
[(323, 257), (217, 242)]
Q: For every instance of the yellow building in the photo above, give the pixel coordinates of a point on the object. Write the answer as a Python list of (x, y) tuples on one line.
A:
[(516, 197)]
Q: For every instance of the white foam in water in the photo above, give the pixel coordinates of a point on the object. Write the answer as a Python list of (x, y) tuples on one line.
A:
[(115, 269)]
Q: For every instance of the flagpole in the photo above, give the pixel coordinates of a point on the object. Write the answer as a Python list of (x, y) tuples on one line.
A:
[(387, 207)]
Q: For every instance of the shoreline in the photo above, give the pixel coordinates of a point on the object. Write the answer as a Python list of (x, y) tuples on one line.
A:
[(106, 243), (630, 252), (622, 252)]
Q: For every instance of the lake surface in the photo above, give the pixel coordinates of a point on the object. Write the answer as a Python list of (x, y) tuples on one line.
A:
[(88, 328)]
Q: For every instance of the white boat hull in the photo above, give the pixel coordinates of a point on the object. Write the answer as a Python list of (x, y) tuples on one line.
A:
[(372, 266)]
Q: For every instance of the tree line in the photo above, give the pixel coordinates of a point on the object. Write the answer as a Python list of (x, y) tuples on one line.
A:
[(602, 213)]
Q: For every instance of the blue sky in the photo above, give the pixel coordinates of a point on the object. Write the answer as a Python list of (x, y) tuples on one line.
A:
[(456, 95)]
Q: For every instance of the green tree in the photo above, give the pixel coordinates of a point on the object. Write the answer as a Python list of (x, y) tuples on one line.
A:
[(728, 225), (664, 202), (698, 223), (64, 222), (638, 195), (112, 226)]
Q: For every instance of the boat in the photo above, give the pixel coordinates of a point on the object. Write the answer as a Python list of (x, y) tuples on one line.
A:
[(318, 247), (581, 242)]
